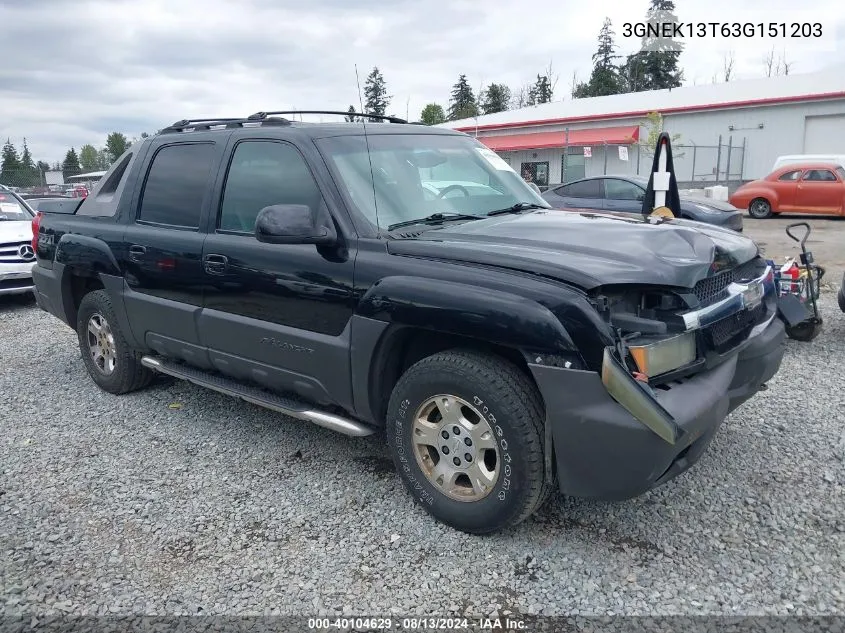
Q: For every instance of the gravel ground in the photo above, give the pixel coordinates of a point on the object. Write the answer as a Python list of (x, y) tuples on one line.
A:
[(178, 500)]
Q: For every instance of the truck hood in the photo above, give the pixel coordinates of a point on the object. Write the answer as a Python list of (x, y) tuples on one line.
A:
[(586, 249), (15, 231)]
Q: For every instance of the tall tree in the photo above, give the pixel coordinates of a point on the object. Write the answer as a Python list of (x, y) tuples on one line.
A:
[(376, 98), (351, 118), (496, 98), (462, 104), (604, 80), (104, 160), (655, 65), (433, 114), (10, 166), (70, 166), (89, 158), (29, 175), (543, 91), (116, 144)]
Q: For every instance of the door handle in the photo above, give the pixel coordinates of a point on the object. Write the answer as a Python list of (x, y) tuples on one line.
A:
[(215, 264), (137, 252)]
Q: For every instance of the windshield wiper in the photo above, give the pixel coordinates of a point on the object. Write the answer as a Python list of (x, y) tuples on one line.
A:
[(516, 208), (435, 218)]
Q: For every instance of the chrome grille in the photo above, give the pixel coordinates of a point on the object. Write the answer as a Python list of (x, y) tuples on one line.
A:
[(10, 253), (710, 288), (726, 333)]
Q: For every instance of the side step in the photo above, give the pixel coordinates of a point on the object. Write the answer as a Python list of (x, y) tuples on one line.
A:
[(288, 406)]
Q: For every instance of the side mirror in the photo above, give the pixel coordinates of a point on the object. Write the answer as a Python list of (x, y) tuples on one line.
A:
[(294, 224)]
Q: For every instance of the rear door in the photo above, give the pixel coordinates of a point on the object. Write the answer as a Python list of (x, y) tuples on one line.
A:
[(162, 254), (819, 191), (623, 195), (276, 314)]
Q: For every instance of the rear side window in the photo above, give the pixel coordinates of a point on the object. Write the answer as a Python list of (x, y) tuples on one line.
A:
[(790, 175), (585, 189), (820, 175), (176, 185), (264, 173)]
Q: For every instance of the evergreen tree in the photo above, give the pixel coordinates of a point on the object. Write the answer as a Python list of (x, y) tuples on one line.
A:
[(29, 175), (376, 98), (655, 65), (462, 104), (604, 80), (351, 118), (496, 98), (10, 167), (70, 166), (541, 91), (433, 114)]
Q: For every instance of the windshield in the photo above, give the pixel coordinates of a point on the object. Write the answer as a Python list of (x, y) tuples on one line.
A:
[(12, 209), (414, 176)]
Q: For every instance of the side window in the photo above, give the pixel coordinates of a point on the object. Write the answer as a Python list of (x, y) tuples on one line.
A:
[(790, 175), (820, 175), (176, 185), (622, 190), (586, 189), (264, 173)]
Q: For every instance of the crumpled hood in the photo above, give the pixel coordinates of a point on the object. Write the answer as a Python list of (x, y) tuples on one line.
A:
[(15, 231), (586, 249), (709, 202)]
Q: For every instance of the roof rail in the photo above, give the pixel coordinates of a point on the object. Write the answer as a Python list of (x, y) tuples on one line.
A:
[(228, 123), (260, 116)]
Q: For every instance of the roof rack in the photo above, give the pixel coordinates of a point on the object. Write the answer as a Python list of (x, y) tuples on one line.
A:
[(260, 116), (207, 124)]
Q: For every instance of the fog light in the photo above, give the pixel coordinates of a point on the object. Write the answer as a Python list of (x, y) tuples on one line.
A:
[(661, 356)]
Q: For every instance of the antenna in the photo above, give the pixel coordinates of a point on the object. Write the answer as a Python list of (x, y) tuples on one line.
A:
[(367, 141)]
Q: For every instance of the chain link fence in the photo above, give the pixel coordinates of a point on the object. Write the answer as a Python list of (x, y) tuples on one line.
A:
[(696, 166), (36, 181)]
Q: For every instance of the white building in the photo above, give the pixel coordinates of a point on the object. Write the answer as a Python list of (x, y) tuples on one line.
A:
[(728, 132)]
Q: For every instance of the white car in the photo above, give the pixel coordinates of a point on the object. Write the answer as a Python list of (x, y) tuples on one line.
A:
[(17, 258)]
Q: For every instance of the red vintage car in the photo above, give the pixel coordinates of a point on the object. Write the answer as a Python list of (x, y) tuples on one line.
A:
[(817, 188)]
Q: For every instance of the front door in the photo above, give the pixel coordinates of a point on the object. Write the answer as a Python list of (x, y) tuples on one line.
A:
[(275, 314), (162, 249), (818, 192), (623, 195)]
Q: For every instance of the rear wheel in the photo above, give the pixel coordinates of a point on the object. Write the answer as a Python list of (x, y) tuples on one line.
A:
[(465, 431), (760, 208), (110, 362)]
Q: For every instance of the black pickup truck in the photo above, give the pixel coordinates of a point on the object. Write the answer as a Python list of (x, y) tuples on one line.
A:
[(396, 277)]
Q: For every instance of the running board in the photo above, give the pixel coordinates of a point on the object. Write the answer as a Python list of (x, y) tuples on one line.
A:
[(287, 406)]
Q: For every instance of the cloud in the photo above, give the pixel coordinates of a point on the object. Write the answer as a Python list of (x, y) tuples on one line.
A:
[(73, 71)]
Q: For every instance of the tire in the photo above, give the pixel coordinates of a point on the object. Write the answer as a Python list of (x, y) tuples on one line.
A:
[(111, 363), (502, 412), (760, 209)]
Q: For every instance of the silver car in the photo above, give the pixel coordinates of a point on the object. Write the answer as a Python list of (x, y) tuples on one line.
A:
[(17, 258)]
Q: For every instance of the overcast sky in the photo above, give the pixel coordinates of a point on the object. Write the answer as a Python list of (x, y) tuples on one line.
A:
[(72, 71)]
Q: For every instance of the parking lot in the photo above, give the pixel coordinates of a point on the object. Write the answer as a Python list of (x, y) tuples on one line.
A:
[(179, 500)]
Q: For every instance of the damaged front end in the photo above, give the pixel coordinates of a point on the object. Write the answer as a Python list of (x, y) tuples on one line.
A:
[(666, 335)]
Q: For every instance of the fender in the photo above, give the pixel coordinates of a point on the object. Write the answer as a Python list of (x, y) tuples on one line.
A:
[(465, 310), (88, 254)]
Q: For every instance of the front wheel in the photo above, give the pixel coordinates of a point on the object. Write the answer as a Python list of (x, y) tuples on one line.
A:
[(760, 209), (465, 431)]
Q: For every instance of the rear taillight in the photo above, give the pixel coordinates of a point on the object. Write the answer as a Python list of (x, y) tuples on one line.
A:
[(36, 224)]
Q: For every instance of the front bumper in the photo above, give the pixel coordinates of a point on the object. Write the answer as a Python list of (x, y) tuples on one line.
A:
[(602, 451), (16, 278)]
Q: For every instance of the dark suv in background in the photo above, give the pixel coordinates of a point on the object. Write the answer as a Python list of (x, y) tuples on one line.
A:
[(625, 194)]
